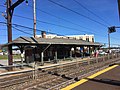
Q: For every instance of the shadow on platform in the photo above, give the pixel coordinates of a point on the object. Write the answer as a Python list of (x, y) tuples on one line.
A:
[(106, 81)]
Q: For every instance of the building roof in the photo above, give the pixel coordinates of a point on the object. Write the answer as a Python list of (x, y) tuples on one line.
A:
[(31, 40)]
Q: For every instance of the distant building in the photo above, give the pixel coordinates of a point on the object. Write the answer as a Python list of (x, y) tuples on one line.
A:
[(47, 36), (88, 38)]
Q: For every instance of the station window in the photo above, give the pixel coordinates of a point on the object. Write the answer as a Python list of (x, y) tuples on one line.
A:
[(87, 39), (92, 39)]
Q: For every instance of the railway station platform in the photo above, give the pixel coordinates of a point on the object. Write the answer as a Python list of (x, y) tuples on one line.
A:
[(107, 79)]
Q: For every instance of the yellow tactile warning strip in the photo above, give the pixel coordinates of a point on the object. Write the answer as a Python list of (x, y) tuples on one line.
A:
[(90, 77)]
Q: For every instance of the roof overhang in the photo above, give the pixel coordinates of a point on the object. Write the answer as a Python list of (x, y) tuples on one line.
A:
[(44, 41)]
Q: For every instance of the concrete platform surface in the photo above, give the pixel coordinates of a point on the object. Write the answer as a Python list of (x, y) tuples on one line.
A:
[(107, 79)]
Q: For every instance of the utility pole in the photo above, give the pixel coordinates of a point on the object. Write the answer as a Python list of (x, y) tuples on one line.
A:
[(10, 10), (9, 27), (108, 40), (34, 15), (119, 8)]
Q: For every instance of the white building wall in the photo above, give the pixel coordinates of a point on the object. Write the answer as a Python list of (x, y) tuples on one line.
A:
[(80, 37)]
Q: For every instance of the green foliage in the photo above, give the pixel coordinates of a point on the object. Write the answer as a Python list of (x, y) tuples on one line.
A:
[(6, 57)]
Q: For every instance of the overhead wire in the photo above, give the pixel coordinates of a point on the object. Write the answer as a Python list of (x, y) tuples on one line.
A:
[(53, 24), (56, 24), (78, 13), (12, 34), (50, 23), (61, 26), (22, 31), (16, 25), (67, 21), (61, 18), (80, 4), (32, 28), (64, 20)]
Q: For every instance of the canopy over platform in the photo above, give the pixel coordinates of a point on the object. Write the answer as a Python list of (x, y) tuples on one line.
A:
[(47, 49)]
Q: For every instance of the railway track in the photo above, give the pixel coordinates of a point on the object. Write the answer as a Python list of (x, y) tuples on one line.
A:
[(56, 77)]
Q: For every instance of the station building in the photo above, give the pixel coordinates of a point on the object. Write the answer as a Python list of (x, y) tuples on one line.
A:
[(85, 37), (47, 49)]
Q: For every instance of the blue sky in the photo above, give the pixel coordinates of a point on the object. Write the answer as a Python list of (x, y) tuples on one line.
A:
[(78, 25)]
